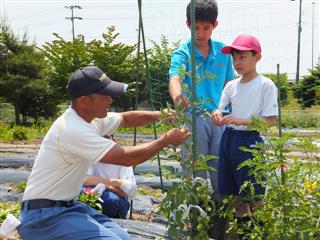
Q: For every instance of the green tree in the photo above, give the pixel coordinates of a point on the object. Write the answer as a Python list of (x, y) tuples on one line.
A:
[(22, 81), (159, 57), (307, 91), (63, 58), (118, 61), (115, 59)]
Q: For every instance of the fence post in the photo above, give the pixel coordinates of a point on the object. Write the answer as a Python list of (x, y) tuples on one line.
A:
[(279, 99)]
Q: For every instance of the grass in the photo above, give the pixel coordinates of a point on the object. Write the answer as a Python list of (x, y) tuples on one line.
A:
[(146, 190), (19, 187), (6, 113), (148, 175), (307, 119), (14, 132), (294, 116), (10, 132), (146, 130), (9, 207)]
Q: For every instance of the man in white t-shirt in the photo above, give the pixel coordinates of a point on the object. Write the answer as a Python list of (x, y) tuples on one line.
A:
[(74, 141)]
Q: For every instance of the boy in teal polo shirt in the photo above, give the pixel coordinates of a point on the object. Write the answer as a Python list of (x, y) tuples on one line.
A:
[(213, 69)]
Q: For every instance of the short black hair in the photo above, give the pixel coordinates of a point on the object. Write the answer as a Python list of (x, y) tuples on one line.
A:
[(205, 10), (235, 51)]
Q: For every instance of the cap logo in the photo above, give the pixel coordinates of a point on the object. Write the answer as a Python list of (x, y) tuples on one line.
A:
[(103, 76)]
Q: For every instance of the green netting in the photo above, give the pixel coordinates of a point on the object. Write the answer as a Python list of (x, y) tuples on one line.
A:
[(293, 97), (141, 30), (300, 101), (159, 89)]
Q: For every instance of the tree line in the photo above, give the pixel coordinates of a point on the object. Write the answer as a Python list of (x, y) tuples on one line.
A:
[(33, 79)]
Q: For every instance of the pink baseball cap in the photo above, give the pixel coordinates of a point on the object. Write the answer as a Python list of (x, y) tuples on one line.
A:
[(244, 42)]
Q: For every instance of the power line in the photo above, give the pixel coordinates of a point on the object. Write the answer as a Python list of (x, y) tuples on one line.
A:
[(73, 17)]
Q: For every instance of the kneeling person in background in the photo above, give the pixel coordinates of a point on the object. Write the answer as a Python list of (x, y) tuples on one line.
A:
[(116, 185)]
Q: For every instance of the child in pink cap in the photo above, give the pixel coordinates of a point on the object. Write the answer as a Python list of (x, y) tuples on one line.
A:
[(250, 95)]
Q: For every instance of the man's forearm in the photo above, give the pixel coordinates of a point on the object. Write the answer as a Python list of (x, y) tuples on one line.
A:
[(139, 118), (143, 152), (94, 180), (131, 156)]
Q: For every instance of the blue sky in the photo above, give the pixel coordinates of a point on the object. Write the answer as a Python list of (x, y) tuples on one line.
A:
[(274, 22)]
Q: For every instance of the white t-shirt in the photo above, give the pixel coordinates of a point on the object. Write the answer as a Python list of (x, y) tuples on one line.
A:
[(115, 171), (257, 97), (66, 152)]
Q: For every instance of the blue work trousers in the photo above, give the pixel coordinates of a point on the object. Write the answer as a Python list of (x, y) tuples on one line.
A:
[(77, 222), (208, 143)]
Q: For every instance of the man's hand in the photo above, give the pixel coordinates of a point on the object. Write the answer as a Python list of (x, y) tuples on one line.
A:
[(176, 136), (180, 99), (168, 115), (216, 116)]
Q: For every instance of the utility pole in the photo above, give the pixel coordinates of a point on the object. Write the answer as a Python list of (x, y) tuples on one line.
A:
[(73, 17), (299, 40), (312, 45), (2, 9)]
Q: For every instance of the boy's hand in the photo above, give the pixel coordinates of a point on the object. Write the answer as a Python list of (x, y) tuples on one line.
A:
[(180, 99), (117, 190), (176, 136), (232, 120), (216, 116)]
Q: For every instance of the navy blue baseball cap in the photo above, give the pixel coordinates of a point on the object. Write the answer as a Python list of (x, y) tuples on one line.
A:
[(87, 80)]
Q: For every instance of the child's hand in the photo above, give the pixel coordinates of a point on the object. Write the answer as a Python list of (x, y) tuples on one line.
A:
[(117, 191), (228, 119), (180, 100), (216, 116)]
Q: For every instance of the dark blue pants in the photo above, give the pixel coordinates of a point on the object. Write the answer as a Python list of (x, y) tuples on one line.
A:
[(114, 206), (230, 178), (68, 223)]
